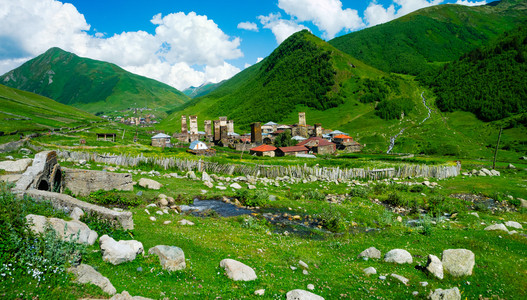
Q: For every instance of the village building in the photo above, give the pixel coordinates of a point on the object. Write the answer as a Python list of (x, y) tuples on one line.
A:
[(263, 150), (298, 138), (291, 151), (346, 143), (200, 148), (319, 145), (269, 127), (161, 140), (106, 136)]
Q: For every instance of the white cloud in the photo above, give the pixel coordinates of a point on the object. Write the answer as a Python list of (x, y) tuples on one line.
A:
[(377, 14), (181, 41), (327, 15), (248, 26), (471, 3), (281, 28)]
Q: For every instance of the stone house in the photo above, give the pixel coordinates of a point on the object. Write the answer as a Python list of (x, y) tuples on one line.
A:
[(161, 140), (319, 145), (346, 143), (264, 150), (291, 151)]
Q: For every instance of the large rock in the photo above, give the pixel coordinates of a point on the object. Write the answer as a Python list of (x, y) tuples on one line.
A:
[(237, 271), (205, 177), (399, 256), (74, 230), (119, 252), (149, 184), (434, 266), (76, 213), (87, 274), (370, 271), (236, 186), (171, 258), (126, 296), (402, 279), (302, 295), (119, 219), (497, 227), (17, 166), (84, 182), (513, 224), (458, 262), (371, 252), (450, 294)]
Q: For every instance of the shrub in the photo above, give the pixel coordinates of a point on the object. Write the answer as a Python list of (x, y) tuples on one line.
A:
[(418, 188), (436, 204), (102, 227), (426, 225), (314, 195), (253, 198), (331, 219), (112, 198), (360, 191), (394, 199)]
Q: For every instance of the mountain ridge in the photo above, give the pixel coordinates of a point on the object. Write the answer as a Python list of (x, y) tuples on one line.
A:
[(91, 85)]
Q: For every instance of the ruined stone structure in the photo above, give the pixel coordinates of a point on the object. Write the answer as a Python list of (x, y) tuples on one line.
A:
[(256, 133), (84, 182), (223, 134), (45, 174), (230, 126), (302, 119)]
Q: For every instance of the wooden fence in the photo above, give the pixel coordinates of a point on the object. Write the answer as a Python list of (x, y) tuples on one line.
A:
[(270, 171)]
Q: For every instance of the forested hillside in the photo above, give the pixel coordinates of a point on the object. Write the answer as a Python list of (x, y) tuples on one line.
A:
[(422, 40), (490, 82), (91, 85)]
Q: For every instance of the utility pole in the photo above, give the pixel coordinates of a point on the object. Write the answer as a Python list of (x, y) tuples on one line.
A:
[(496, 151)]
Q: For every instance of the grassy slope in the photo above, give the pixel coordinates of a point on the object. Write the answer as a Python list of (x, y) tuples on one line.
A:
[(43, 112), (91, 85), (263, 93), (417, 41)]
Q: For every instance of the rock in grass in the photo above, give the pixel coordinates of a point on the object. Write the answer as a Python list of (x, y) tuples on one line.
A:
[(76, 213), (237, 271), (87, 274), (172, 258), (236, 186), (513, 224), (370, 271), (18, 166), (310, 287), (259, 292), (458, 262), (434, 266), (402, 279), (450, 294), (126, 296), (371, 252), (399, 256), (149, 184), (302, 295), (497, 227), (73, 230), (119, 252), (303, 264), (185, 222)]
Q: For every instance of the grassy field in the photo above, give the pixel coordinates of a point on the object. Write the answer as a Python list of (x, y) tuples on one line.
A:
[(329, 248)]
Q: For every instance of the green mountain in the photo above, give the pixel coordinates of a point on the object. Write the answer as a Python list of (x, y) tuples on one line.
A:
[(202, 90), (488, 81), (428, 37), (25, 111), (91, 85), (304, 72)]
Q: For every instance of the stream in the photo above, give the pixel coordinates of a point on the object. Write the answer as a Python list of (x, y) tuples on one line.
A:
[(393, 138)]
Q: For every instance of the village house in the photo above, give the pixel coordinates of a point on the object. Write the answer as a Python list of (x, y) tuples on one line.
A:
[(200, 148), (263, 150), (346, 143), (319, 145), (269, 127), (291, 151), (161, 140), (106, 136)]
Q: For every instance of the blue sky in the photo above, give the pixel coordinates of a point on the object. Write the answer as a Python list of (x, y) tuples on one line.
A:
[(182, 43)]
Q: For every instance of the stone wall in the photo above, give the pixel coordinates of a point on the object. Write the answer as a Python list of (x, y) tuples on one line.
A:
[(83, 182), (67, 203)]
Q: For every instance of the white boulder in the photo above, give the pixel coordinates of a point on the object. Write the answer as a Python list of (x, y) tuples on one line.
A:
[(149, 184), (458, 262), (399, 256), (172, 258), (87, 274), (302, 295), (237, 271), (119, 252)]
